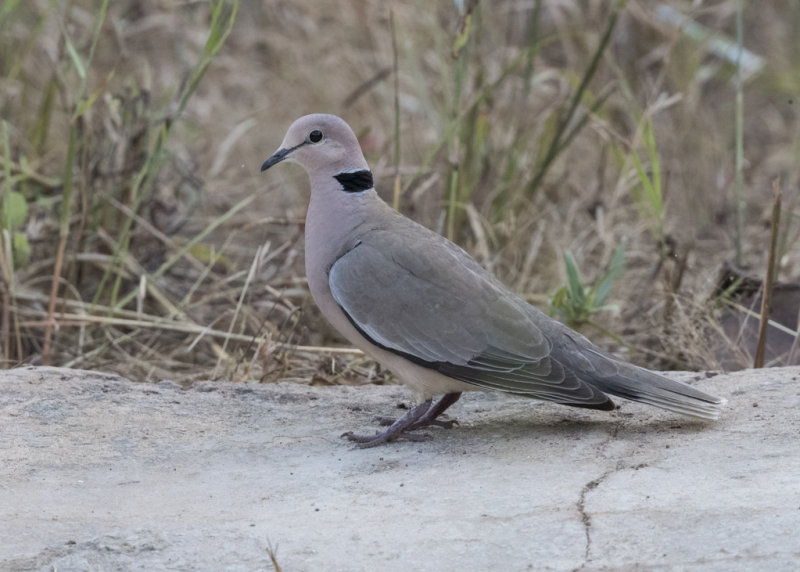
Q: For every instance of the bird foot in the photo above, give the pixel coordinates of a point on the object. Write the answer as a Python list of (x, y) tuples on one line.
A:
[(423, 415), (367, 441), (449, 424)]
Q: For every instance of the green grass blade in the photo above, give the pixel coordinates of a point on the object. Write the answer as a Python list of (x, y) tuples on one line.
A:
[(6, 9), (603, 287), (644, 181), (76, 59), (574, 286), (555, 148), (656, 198), (222, 19)]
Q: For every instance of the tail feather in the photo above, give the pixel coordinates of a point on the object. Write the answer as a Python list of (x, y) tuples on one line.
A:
[(639, 384)]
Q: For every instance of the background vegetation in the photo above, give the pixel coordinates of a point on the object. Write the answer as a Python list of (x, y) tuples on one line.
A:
[(552, 139)]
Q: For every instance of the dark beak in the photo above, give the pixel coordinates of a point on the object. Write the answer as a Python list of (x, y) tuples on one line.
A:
[(278, 156)]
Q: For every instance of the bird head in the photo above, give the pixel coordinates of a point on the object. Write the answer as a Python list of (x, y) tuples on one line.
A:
[(320, 143)]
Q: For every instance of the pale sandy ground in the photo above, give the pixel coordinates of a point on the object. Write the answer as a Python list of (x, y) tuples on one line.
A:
[(101, 473)]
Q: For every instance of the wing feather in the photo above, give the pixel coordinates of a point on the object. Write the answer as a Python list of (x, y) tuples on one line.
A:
[(441, 309)]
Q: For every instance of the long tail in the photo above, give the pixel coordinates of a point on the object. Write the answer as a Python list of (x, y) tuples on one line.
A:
[(639, 384)]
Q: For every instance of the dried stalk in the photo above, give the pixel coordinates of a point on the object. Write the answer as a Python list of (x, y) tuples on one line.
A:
[(73, 320), (769, 279)]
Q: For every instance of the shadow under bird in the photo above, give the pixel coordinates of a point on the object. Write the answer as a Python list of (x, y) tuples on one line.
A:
[(426, 310)]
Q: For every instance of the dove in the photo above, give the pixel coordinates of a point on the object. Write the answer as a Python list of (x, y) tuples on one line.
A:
[(426, 310)]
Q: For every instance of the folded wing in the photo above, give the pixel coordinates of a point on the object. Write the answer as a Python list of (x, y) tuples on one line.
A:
[(437, 307)]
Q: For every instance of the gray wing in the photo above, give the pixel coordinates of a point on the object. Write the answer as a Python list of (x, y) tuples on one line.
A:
[(433, 304)]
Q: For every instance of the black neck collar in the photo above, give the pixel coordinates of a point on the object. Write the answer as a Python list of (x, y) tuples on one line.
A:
[(355, 181)]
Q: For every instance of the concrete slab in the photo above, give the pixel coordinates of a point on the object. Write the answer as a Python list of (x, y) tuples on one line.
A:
[(101, 473)]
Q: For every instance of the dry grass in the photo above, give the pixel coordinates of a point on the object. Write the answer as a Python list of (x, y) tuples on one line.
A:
[(181, 261)]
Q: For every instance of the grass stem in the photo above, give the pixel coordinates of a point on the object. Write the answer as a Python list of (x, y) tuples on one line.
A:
[(740, 205), (769, 278), (555, 147)]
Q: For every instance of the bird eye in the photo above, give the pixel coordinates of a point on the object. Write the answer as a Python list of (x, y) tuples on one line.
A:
[(315, 136)]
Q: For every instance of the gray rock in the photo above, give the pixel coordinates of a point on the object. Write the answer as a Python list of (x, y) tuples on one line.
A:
[(101, 473)]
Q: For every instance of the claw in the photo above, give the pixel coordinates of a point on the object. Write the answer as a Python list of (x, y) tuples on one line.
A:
[(367, 441), (449, 424)]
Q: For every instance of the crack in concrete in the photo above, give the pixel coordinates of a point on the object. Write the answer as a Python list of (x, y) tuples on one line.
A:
[(586, 519)]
